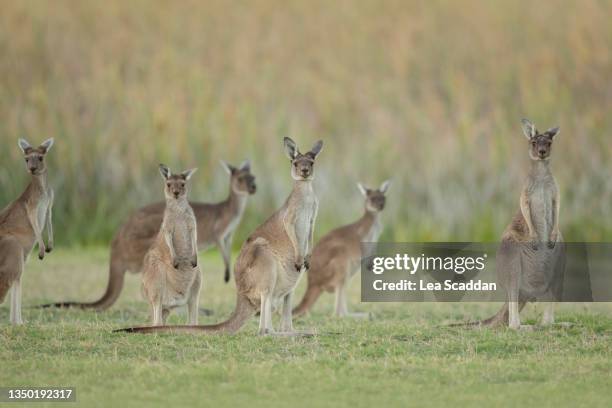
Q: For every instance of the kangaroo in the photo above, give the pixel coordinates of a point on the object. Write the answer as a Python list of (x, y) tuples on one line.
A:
[(337, 256), (272, 258), (22, 223), (216, 224), (171, 277), (531, 257)]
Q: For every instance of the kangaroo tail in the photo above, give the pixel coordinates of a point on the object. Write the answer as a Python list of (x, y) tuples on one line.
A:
[(4, 288), (113, 288), (310, 297), (244, 310), (498, 319)]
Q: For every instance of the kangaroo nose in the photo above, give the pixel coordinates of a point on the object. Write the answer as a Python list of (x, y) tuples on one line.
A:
[(176, 194), (304, 172), (542, 152)]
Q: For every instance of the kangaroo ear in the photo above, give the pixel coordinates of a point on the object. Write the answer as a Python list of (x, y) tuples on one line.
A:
[(188, 173), (245, 165), (165, 171), (552, 132), (362, 189), (228, 167), (46, 145), (316, 149), (24, 145), (291, 148), (384, 187), (529, 129)]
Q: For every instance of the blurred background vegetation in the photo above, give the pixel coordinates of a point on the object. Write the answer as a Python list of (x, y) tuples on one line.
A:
[(428, 93)]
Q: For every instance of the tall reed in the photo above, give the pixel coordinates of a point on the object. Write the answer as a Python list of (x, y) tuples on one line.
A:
[(428, 93)]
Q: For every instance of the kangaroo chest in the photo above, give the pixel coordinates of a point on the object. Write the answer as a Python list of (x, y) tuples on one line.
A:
[(541, 193), (182, 240), (182, 226), (41, 207), (373, 233), (303, 219), (231, 225)]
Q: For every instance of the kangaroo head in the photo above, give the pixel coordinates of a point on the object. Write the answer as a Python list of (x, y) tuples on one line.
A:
[(540, 144), (375, 198), (176, 184), (242, 181), (302, 165), (35, 156)]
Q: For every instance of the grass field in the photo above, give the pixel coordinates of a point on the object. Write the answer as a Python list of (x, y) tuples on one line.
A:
[(428, 93), (404, 357)]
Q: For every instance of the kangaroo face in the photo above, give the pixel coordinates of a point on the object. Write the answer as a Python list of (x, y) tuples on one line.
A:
[(302, 165), (175, 187), (375, 199), (540, 144), (35, 156), (540, 147), (241, 179), (244, 182), (176, 184)]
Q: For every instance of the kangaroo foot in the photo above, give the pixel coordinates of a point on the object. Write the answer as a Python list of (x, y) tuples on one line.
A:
[(266, 332), (206, 312), (360, 315), (296, 333)]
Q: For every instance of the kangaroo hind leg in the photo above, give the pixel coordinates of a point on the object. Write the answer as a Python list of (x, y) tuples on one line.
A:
[(265, 315)]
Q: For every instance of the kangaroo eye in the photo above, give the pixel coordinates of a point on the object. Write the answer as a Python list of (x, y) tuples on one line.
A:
[(533, 143), (41, 158), (168, 184)]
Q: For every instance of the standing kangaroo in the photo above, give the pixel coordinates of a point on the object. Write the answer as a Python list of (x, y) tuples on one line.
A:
[(22, 223), (216, 224), (271, 260), (171, 277), (337, 256), (531, 257)]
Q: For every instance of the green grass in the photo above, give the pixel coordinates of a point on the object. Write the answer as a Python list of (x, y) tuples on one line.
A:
[(404, 357)]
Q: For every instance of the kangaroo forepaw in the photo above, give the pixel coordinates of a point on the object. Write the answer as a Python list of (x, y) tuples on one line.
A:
[(551, 244), (535, 245), (226, 277), (175, 264), (41, 253), (298, 266), (49, 248)]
